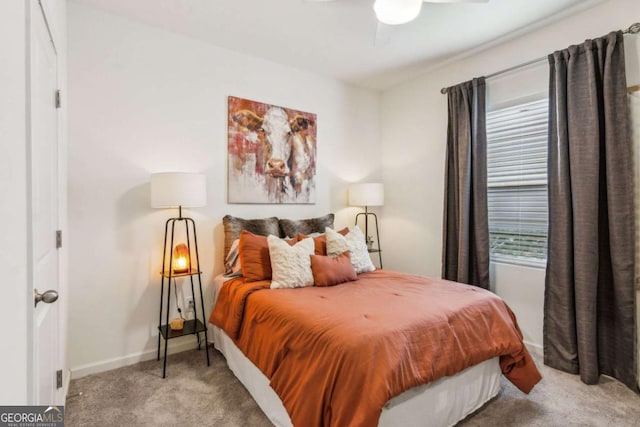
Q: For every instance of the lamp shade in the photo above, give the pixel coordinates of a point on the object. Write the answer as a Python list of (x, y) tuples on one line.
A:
[(366, 194), (394, 12), (173, 189)]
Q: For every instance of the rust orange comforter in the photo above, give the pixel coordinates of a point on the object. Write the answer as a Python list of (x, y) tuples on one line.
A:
[(336, 355)]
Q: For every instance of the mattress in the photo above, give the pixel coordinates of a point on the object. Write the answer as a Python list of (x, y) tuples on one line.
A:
[(443, 402)]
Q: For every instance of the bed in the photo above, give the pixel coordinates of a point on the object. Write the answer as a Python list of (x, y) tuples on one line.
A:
[(386, 349)]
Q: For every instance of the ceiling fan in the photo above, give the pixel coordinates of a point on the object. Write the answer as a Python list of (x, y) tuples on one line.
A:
[(396, 12)]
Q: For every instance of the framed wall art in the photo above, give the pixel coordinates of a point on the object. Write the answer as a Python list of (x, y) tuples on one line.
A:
[(271, 154)]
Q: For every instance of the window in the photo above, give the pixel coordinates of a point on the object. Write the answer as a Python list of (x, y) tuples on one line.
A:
[(517, 183)]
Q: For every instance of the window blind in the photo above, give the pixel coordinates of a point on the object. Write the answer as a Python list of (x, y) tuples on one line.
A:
[(517, 182)]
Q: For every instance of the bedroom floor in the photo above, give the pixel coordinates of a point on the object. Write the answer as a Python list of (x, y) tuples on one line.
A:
[(193, 394)]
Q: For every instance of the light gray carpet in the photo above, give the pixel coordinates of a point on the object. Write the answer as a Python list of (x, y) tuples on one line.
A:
[(194, 395)]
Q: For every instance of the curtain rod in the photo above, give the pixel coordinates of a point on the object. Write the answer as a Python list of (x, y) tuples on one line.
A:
[(633, 29)]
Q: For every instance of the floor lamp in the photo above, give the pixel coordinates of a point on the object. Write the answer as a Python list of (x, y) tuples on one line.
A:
[(178, 190), (368, 194)]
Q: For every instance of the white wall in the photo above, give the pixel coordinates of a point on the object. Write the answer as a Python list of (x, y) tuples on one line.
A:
[(413, 135), (13, 210), (143, 100)]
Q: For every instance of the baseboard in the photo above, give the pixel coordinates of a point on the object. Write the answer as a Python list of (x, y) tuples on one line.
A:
[(534, 348), (119, 362), (67, 382)]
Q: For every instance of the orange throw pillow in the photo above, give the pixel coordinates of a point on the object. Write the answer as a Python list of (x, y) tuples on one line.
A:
[(329, 271), (255, 261), (320, 242)]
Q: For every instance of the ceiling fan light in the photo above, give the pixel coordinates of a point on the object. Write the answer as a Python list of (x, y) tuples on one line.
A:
[(395, 12)]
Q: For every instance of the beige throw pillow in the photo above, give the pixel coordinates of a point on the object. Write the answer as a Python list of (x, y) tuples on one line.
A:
[(290, 265), (354, 243)]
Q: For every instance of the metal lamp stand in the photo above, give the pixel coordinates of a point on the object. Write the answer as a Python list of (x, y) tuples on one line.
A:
[(191, 327), (366, 215)]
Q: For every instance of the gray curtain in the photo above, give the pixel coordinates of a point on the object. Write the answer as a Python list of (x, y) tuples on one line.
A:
[(465, 251), (589, 312)]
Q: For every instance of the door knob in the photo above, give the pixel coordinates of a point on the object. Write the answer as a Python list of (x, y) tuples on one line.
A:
[(46, 297)]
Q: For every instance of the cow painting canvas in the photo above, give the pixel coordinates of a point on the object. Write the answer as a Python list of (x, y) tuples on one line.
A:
[(272, 153)]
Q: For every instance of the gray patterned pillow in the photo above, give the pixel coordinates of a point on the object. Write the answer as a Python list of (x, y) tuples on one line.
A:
[(291, 228), (232, 266), (234, 225)]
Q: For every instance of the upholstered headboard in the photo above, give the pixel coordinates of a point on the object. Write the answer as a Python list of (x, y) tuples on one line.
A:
[(293, 227), (233, 226)]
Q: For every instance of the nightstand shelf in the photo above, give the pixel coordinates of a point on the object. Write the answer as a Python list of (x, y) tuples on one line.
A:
[(176, 275), (372, 249), (190, 327), (192, 278)]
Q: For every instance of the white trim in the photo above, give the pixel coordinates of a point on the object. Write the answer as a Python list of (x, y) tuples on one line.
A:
[(119, 362), (67, 382), (31, 360), (534, 348)]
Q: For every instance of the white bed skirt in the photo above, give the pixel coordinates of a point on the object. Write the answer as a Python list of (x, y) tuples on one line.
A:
[(440, 403)]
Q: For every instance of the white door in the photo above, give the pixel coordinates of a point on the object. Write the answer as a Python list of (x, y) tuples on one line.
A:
[(43, 196)]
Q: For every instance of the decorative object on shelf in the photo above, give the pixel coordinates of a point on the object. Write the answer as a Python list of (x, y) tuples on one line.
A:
[(181, 259), (370, 242), (368, 194), (177, 323), (178, 190), (272, 153)]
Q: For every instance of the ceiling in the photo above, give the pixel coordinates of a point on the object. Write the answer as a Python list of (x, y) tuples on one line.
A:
[(342, 38)]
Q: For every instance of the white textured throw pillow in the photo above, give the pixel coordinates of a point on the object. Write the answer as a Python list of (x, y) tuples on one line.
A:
[(290, 265), (354, 243)]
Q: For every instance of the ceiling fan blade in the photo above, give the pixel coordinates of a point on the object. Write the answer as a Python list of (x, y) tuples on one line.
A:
[(383, 34)]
